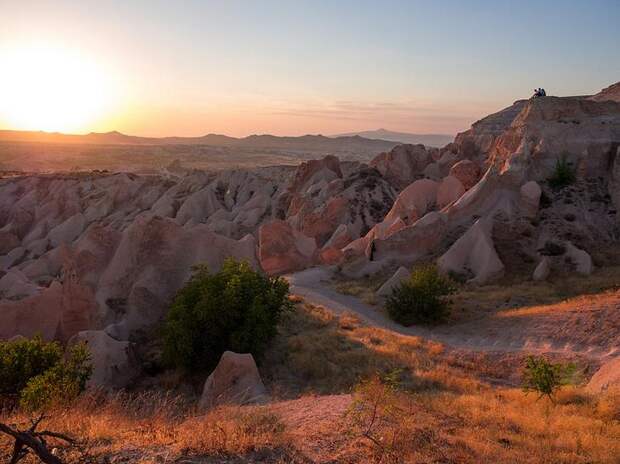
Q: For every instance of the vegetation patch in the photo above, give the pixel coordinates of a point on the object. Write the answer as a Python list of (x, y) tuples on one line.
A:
[(236, 309), (422, 299)]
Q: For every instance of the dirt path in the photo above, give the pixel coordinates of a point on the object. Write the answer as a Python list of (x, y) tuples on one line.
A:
[(587, 326)]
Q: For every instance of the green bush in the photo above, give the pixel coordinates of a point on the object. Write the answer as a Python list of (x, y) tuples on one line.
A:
[(236, 309), (563, 174), (422, 298), (36, 372), (60, 384), (544, 377), (23, 359)]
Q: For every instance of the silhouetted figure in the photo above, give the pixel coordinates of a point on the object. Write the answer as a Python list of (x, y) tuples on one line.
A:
[(540, 92)]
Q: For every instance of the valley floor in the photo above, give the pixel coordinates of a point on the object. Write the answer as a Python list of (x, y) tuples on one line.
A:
[(348, 386)]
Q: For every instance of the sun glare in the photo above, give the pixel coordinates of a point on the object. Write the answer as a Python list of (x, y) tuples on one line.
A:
[(51, 89)]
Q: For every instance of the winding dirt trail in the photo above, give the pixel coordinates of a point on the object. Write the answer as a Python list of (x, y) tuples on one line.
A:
[(587, 326)]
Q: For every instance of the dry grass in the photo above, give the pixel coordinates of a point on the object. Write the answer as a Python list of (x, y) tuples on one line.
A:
[(442, 410), (364, 288), (156, 427), (474, 301)]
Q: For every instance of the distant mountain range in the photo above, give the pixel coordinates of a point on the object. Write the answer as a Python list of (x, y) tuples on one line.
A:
[(431, 140), (321, 143)]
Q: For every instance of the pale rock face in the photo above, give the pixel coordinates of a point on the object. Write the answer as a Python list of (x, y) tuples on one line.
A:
[(608, 376), (450, 189), (542, 270), (114, 365), (580, 258), (467, 172), (235, 380), (474, 252), (530, 198), (414, 201), (198, 207), (413, 241), (398, 278), (433, 172)]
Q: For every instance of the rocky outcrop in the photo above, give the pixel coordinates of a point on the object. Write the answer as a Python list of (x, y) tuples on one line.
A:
[(467, 172), (235, 380), (283, 249), (530, 198), (474, 254), (580, 259), (397, 278), (113, 361), (607, 377), (450, 189), (403, 164), (611, 93), (542, 269)]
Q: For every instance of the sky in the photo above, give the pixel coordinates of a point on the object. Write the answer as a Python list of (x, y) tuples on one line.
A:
[(187, 68)]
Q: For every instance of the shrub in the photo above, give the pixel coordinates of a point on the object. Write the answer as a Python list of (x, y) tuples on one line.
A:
[(35, 371), (60, 384), (235, 309), (544, 377), (563, 174), (422, 298), (21, 360)]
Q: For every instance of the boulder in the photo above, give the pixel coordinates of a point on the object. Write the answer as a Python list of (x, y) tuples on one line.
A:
[(399, 277), (450, 189), (580, 258), (467, 172), (474, 252), (114, 364), (608, 376), (542, 270), (235, 380)]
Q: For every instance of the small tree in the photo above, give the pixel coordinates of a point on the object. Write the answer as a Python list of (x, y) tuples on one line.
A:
[(422, 298), (563, 174), (544, 377), (235, 309)]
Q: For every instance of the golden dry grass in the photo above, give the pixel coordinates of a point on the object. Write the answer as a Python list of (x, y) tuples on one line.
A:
[(441, 412), (155, 427)]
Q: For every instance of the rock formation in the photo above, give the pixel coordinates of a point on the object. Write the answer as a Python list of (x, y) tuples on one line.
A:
[(234, 380)]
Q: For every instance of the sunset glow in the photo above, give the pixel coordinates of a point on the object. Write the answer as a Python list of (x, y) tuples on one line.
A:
[(52, 89)]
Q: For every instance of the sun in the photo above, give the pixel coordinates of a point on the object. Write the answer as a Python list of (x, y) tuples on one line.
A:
[(51, 89)]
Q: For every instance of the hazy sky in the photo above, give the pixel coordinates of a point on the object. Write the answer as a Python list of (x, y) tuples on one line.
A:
[(296, 67)]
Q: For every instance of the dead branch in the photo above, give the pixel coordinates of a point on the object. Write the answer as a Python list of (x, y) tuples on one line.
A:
[(32, 441)]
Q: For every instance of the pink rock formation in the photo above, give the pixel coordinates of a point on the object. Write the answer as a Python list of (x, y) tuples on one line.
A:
[(283, 249), (467, 172)]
